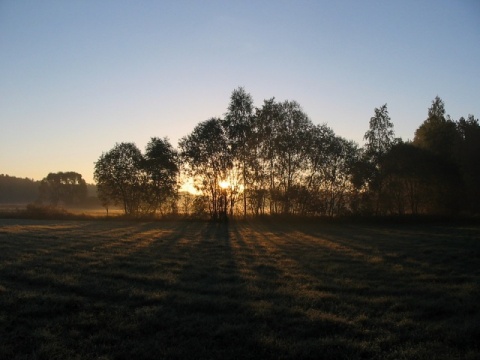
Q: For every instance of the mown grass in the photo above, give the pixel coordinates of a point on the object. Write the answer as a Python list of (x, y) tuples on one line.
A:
[(243, 290)]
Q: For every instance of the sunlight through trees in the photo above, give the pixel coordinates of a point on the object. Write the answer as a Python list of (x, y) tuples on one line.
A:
[(274, 160)]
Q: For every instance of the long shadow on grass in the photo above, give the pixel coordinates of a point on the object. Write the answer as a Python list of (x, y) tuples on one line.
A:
[(282, 300), (200, 290), (97, 282), (201, 313), (410, 302)]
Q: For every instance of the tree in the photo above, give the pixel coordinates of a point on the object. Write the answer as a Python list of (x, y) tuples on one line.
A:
[(440, 137), (379, 139), (293, 156), (468, 159), (207, 159), (267, 121), (160, 165), (118, 176), (320, 144), (15, 190), (330, 170), (438, 134), (239, 131), (344, 157), (141, 184), (63, 187), (380, 136), (104, 196), (291, 146), (409, 173)]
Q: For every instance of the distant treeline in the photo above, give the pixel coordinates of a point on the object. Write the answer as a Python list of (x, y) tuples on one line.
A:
[(14, 190), (274, 160), (51, 190)]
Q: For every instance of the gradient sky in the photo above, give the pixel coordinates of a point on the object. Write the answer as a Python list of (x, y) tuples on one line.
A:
[(78, 76)]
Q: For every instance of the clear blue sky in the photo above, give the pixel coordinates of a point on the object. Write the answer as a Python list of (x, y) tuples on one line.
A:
[(78, 76)]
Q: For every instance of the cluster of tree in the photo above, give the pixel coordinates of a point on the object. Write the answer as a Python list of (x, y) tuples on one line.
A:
[(66, 188), (14, 190), (274, 160), (140, 183), (268, 160), (437, 173), (62, 188)]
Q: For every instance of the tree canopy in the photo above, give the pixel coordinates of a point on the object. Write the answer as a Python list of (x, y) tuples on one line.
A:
[(207, 158), (68, 188), (141, 184), (14, 190), (277, 161)]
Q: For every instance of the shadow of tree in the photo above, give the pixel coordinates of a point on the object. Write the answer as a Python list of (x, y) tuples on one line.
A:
[(236, 290)]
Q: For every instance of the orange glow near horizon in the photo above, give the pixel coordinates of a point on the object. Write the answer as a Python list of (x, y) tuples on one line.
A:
[(224, 184)]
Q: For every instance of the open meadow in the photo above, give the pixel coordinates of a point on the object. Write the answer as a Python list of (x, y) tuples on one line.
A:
[(108, 289)]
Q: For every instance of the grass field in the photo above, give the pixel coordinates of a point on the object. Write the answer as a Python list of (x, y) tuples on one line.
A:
[(243, 290)]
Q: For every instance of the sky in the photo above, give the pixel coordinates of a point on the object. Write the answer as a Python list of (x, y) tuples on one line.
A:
[(76, 76)]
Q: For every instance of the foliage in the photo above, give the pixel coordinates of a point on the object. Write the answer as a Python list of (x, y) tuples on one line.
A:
[(468, 160), (274, 160), (207, 158), (141, 184), (380, 136), (278, 162), (17, 190), (281, 163), (418, 182), (437, 134), (455, 148), (281, 149), (238, 123), (118, 177), (68, 188), (379, 140), (160, 165)]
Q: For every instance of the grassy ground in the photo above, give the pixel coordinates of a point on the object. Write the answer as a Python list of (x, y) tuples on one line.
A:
[(197, 290)]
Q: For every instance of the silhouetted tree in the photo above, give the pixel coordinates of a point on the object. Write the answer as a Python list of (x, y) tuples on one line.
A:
[(468, 159), (438, 134), (328, 172), (280, 162), (207, 159), (320, 141), (118, 176), (267, 123), (410, 180), (239, 121), (14, 190), (343, 157), (105, 197), (379, 139), (160, 165), (141, 184), (66, 187), (293, 128)]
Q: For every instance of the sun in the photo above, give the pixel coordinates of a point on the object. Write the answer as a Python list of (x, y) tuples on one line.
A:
[(224, 184)]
